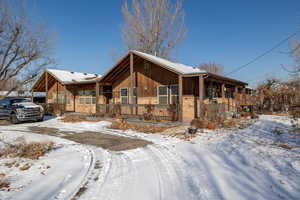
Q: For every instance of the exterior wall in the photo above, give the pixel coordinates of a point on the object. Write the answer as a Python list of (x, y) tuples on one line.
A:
[(146, 79), (188, 107), (83, 108), (73, 105), (56, 87), (59, 87)]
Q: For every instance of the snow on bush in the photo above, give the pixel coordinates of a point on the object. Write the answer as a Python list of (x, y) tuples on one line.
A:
[(20, 148)]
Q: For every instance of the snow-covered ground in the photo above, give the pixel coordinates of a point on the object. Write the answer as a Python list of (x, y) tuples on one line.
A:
[(251, 163)]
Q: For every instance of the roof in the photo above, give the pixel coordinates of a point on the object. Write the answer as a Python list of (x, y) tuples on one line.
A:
[(180, 68), (69, 77), (22, 94)]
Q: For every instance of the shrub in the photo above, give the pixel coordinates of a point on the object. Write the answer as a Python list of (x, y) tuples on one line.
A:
[(199, 123), (21, 148), (4, 183)]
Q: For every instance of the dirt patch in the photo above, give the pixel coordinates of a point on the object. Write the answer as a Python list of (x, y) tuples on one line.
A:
[(77, 118), (106, 141), (139, 127), (44, 130)]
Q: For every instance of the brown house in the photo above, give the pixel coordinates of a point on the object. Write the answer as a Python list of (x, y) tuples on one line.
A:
[(143, 85), (68, 91)]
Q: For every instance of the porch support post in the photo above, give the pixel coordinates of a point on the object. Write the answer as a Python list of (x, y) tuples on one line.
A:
[(244, 96), (180, 88), (131, 84), (97, 96), (223, 91), (201, 95), (65, 97), (131, 79), (235, 96), (46, 86)]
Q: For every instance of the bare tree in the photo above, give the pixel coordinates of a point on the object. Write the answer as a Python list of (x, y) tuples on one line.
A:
[(212, 67), (153, 26), (24, 47)]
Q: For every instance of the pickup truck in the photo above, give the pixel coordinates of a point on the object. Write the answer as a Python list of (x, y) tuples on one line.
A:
[(19, 110)]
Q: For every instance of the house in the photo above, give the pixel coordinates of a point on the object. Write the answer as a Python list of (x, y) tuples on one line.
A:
[(139, 85), (70, 91)]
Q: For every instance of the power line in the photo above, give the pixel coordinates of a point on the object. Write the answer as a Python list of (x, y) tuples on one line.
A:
[(265, 53)]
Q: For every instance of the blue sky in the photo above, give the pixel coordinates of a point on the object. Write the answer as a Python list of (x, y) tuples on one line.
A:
[(228, 32)]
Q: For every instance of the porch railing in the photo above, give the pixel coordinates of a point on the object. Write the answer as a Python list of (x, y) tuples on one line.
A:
[(140, 111)]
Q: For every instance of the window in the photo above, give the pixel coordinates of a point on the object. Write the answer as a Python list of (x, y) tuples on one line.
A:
[(229, 93), (124, 95), (59, 97), (174, 94), (69, 96), (212, 92), (134, 95), (163, 94), (87, 97)]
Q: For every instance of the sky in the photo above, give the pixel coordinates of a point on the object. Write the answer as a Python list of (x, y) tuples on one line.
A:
[(231, 33)]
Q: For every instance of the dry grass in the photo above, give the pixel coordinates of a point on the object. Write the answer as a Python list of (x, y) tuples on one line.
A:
[(77, 118), (139, 127), (285, 146), (4, 183), (20, 148), (4, 122)]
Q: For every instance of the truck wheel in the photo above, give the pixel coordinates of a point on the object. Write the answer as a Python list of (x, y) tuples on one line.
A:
[(14, 119), (41, 119)]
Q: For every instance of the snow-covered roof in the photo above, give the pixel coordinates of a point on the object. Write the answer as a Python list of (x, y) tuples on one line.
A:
[(178, 67), (22, 94), (68, 77)]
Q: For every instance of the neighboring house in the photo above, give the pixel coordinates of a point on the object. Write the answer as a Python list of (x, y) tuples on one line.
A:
[(38, 97), (138, 80), (74, 90)]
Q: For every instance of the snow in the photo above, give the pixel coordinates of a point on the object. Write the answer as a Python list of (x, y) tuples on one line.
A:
[(23, 94), (68, 77), (224, 164), (181, 68)]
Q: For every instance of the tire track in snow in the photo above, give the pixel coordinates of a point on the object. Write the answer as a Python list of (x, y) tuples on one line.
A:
[(117, 175), (185, 179)]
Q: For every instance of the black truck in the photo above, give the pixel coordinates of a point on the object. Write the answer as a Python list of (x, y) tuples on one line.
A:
[(20, 109)]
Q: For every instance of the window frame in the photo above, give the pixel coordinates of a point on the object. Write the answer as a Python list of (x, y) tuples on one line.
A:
[(59, 97), (87, 97), (174, 95), (135, 99), (121, 97), (158, 95)]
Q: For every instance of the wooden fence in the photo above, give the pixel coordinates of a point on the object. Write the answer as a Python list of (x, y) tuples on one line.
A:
[(140, 111)]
